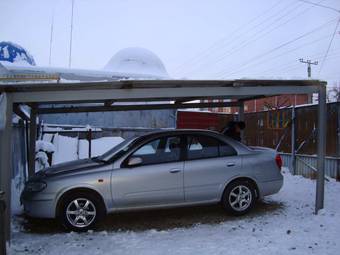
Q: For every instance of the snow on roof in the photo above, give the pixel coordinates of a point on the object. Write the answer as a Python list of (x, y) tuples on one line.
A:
[(136, 60)]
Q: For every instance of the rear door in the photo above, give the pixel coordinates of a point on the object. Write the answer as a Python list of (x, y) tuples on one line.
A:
[(158, 180), (209, 164)]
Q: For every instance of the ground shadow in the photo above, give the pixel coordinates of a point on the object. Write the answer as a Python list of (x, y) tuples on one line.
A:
[(156, 219)]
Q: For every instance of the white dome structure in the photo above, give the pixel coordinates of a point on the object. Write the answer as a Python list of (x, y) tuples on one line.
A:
[(136, 60)]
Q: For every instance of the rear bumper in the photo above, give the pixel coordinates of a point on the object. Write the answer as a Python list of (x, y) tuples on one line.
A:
[(270, 187)]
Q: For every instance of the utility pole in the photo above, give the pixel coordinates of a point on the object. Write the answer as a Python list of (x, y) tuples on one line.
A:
[(309, 63), (309, 73)]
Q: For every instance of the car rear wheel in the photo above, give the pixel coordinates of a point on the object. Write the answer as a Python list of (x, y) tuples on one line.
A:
[(81, 211), (239, 197)]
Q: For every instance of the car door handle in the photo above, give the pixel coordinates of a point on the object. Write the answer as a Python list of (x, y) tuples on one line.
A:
[(229, 164), (175, 170)]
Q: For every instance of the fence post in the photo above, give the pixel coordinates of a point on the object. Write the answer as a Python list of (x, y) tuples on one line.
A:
[(293, 142), (321, 148)]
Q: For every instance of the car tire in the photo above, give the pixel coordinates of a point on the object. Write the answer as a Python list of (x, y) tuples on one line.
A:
[(239, 197), (81, 211)]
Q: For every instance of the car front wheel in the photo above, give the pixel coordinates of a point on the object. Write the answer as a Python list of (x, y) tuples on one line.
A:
[(239, 197), (80, 211)]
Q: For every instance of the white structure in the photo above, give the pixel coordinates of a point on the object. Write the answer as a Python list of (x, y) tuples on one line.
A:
[(138, 61)]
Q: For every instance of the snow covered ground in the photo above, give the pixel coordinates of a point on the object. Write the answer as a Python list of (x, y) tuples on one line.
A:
[(282, 224)]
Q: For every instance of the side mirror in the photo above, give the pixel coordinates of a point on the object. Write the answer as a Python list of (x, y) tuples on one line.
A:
[(135, 161)]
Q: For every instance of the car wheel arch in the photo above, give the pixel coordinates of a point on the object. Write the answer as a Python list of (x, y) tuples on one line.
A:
[(71, 190), (251, 180)]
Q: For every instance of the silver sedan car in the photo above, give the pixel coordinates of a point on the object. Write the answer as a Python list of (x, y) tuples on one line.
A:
[(158, 170)]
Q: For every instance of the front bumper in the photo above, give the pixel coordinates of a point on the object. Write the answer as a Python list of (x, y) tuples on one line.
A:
[(38, 205)]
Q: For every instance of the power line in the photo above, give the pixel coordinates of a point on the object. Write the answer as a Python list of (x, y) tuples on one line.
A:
[(289, 66), (71, 35), (215, 45), (329, 46), (292, 65), (279, 25), (51, 37), (279, 47), (320, 5), (236, 34), (258, 35), (290, 50)]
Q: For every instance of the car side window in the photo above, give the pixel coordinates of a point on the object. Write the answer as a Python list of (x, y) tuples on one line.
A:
[(162, 150), (200, 147), (150, 148), (227, 150)]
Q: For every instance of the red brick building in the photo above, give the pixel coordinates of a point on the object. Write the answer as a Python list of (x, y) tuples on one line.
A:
[(266, 103)]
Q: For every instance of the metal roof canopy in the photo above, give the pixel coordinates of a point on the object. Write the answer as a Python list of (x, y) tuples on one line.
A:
[(102, 96)]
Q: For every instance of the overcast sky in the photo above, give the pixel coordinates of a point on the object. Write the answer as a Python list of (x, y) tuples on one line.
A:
[(194, 38)]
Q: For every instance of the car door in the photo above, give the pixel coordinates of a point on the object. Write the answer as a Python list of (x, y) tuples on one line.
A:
[(209, 164), (156, 180)]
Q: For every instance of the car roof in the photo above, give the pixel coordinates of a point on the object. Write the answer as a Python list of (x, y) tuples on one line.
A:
[(181, 132)]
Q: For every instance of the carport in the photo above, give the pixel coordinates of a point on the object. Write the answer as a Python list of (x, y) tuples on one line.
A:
[(128, 95)]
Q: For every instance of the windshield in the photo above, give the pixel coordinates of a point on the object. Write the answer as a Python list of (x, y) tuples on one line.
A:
[(110, 153)]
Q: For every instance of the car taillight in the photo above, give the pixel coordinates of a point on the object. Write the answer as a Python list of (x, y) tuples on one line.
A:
[(278, 161)]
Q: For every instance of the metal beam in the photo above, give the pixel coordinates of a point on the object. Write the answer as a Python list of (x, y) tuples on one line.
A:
[(147, 84), (321, 148), (160, 94), (139, 107), (6, 109), (32, 141)]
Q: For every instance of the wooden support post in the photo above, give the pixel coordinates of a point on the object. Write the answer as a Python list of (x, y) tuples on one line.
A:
[(6, 110), (293, 142), (32, 141), (321, 149)]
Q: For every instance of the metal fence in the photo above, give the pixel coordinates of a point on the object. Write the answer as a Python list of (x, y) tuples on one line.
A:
[(306, 165)]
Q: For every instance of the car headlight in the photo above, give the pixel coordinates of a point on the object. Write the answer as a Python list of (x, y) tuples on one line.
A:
[(35, 186)]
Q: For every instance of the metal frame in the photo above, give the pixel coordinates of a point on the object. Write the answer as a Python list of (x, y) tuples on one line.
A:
[(102, 96)]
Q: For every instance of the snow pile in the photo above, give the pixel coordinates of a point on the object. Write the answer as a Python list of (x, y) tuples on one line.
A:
[(289, 228), (70, 148), (98, 146), (41, 145), (41, 158), (66, 149), (137, 61)]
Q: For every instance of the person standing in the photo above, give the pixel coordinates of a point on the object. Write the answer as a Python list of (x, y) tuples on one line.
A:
[(233, 130)]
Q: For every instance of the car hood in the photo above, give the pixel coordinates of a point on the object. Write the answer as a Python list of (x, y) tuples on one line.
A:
[(71, 166)]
